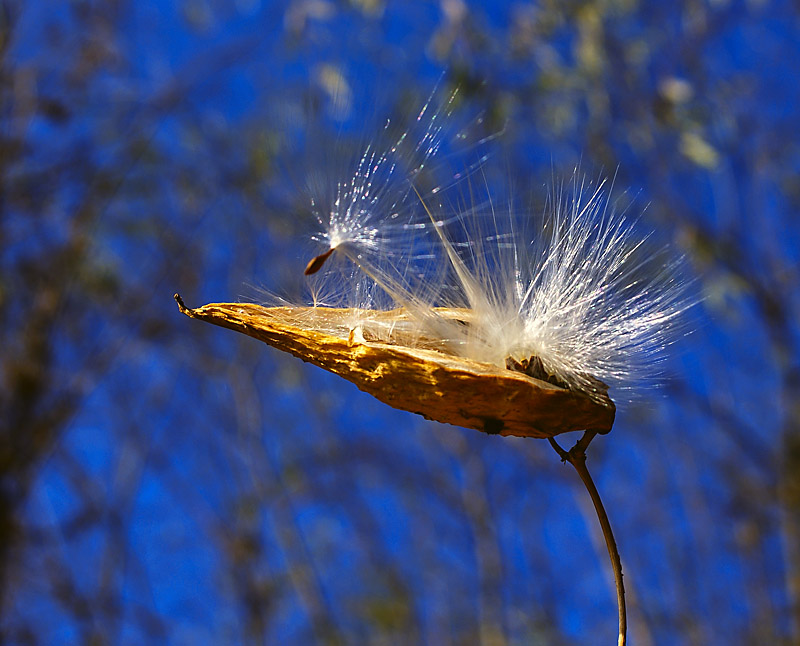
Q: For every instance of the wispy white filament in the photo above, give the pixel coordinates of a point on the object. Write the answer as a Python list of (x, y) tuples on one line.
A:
[(370, 208), (575, 287)]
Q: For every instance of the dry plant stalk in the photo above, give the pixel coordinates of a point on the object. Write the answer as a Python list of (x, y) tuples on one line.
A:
[(436, 385), (428, 382), (489, 302)]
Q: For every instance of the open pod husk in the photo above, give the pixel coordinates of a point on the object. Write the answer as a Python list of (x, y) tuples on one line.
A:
[(428, 382)]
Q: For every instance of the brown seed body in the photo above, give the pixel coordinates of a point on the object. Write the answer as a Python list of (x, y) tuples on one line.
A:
[(315, 264)]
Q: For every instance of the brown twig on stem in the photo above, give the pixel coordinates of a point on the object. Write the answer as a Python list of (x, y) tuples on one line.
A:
[(576, 456)]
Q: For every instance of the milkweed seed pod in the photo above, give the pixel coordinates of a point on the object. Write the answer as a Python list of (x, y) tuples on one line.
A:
[(450, 303)]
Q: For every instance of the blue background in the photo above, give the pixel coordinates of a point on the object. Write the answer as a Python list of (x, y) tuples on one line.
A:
[(166, 481)]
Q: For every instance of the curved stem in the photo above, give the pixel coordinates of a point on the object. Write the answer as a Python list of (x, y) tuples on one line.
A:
[(576, 456)]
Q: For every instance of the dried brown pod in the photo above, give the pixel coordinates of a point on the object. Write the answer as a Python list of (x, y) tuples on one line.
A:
[(423, 380)]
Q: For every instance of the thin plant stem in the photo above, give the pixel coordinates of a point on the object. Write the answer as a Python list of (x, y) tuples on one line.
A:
[(576, 456)]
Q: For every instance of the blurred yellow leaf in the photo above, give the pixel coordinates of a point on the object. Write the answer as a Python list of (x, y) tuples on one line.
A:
[(699, 150)]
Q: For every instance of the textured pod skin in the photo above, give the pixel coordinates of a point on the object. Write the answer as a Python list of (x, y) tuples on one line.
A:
[(433, 384)]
